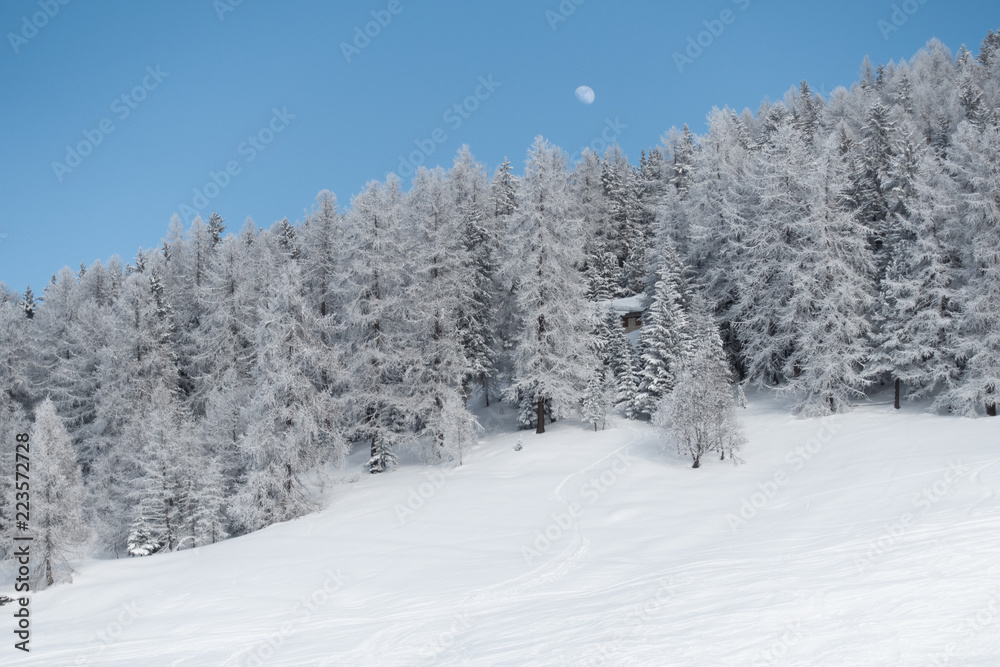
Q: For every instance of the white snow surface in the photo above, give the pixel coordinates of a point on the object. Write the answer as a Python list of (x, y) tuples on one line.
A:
[(879, 544), (628, 304)]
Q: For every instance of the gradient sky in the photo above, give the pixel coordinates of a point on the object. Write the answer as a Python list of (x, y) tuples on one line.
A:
[(225, 66)]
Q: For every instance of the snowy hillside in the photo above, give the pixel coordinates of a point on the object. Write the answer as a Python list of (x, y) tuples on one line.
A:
[(869, 538)]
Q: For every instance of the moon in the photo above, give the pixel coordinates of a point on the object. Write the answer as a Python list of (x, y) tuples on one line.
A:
[(585, 94)]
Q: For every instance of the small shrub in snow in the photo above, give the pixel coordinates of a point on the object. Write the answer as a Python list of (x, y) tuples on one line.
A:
[(698, 416)]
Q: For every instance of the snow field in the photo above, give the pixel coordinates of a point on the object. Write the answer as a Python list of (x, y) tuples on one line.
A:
[(860, 539)]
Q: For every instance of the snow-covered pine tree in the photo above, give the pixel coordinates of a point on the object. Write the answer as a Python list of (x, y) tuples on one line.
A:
[(873, 183), (283, 441), (920, 300), (56, 499), (807, 113), (156, 505), (216, 228), (624, 234), (552, 356), (28, 303), (699, 416), (59, 353), (975, 156), (201, 488), (602, 276), (379, 313), (764, 274), (664, 339), (719, 206), (230, 294), (477, 318), (503, 189), (590, 206), (441, 291), (137, 358), (597, 399), (322, 255), (623, 366), (681, 147), (830, 301)]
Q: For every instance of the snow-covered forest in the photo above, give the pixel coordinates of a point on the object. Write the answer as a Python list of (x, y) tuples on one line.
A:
[(819, 247)]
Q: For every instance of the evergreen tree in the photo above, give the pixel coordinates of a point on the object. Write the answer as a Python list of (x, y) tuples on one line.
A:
[(597, 399), (503, 196), (56, 499), (442, 292), (975, 159), (551, 360), (664, 340), (920, 300), (216, 228), (378, 317), (477, 311), (283, 440), (765, 273), (698, 417), (831, 301), (156, 506)]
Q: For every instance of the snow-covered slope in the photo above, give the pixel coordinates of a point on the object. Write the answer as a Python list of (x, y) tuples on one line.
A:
[(871, 538)]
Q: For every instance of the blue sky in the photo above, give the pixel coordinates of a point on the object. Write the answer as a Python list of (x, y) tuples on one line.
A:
[(265, 97)]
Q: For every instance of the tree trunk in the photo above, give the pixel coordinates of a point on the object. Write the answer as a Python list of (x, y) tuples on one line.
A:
[(541, 415), (991, 409), (895, 401), (697, 462), (49, 579)]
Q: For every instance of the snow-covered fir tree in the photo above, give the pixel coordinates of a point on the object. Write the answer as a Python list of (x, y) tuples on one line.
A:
[(379, 313), (664, 341), (551, 357), (56, 499), (699, 416)]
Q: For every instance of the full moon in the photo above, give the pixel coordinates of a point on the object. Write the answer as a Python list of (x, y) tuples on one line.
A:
[(585, 94)]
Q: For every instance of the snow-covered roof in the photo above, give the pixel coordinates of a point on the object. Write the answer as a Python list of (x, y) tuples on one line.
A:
[(628, 304)]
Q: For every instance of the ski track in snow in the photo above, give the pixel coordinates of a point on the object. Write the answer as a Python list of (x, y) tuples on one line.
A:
[(846, 563)]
